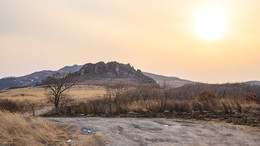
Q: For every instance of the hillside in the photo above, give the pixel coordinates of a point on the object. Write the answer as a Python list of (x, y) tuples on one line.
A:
[(28, 80), (172, 81), (34, 78), (253, 82)]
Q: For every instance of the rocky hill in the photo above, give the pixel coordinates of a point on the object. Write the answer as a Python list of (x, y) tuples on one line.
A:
[(98, 74), (112, 70)]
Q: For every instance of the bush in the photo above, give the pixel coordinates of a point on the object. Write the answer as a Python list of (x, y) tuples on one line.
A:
[(17, 106), (12, 106), (251, 97), (205, 96)]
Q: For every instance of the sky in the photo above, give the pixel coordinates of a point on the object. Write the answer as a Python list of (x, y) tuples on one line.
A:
[(157, 36)]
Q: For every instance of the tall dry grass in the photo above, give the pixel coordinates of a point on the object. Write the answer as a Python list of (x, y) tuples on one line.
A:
[(19, 106), (122, 100), (37, 95), (16, 129)]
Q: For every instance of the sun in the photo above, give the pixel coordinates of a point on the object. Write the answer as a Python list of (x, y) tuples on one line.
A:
[(210, 23)]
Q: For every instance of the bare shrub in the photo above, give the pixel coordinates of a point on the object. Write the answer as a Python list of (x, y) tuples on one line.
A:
[(17, 106), (179, 106), (251, 97), (205, 96), (9, 105)]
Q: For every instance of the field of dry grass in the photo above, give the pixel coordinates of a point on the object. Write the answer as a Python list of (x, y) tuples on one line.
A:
[(158, 102), (16, 129), (37, 94)]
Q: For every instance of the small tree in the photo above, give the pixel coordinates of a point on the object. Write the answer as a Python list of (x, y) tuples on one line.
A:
[(57, 85)]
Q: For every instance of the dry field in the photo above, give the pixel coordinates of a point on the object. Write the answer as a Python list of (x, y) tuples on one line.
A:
[(38, 94)]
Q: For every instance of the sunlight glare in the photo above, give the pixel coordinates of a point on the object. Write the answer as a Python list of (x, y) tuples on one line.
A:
[(210, 23)]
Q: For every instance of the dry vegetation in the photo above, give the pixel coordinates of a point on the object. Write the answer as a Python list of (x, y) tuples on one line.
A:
[(16, 129), (238, 104), (18, 106), (37, 95), (19, 130)]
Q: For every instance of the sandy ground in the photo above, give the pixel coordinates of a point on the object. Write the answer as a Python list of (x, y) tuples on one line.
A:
[(138, 131)]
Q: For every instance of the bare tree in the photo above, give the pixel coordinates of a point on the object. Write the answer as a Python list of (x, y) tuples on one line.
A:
[(57, 85), (164, 95)]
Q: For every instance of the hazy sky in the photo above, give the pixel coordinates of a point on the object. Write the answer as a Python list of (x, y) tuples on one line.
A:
[(155, 36)]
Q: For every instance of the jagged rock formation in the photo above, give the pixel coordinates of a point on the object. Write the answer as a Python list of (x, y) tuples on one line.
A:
[(112, 70)]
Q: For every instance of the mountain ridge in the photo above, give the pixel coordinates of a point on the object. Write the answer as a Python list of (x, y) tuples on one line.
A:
[(134, 76), (123, 71)]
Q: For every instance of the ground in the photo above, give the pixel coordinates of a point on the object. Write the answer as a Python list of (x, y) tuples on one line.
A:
[(141, 131)]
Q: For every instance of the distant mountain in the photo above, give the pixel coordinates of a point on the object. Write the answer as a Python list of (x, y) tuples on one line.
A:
[(172, 81), (34, 78), (71, 69), (253, 83), (98, 74)]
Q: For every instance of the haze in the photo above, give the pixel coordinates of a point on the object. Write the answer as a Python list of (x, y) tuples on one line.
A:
[(154, 36)]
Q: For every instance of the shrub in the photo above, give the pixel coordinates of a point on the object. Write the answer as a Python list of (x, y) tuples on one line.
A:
[(16, 106), (251, 97), (205, 96)]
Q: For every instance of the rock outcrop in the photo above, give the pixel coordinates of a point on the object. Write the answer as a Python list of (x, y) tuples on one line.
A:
[(112, 70)]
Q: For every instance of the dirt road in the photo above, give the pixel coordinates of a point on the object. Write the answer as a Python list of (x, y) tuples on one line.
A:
[(135, 131)]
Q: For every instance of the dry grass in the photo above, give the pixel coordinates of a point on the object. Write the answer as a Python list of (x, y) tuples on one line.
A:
[(121, 101), (134, 103), (86, 92), (16, 129), (38, 94), (30, 93), (18, 106)]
